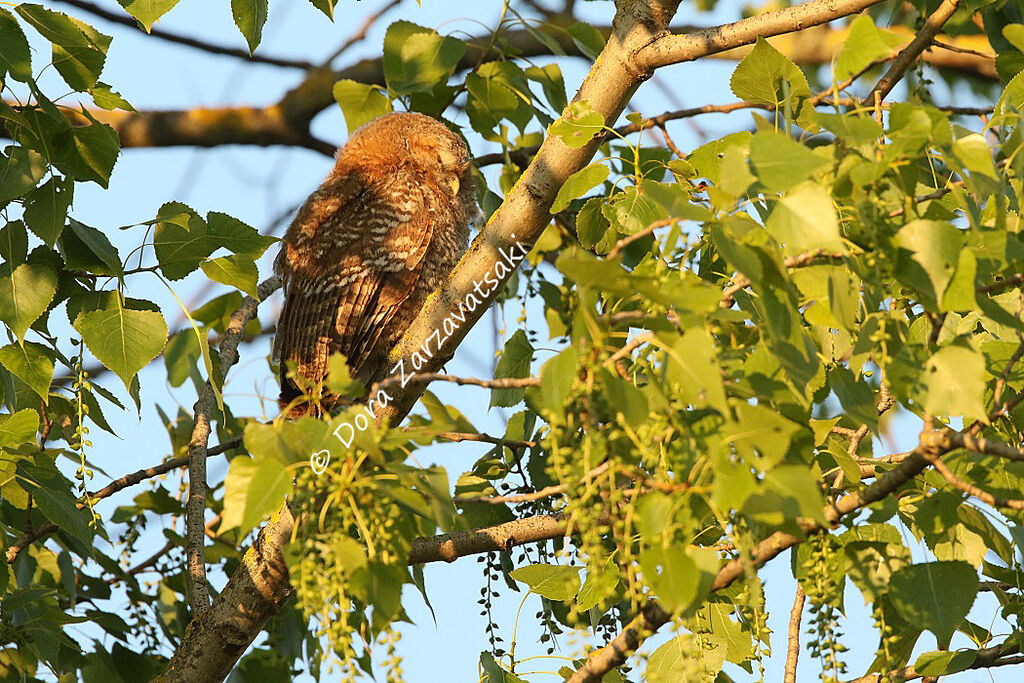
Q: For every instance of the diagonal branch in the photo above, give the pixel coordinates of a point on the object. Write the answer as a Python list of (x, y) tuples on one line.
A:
[(911, 52), (653, 616)]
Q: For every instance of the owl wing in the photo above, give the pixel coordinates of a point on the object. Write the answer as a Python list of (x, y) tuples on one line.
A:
[(372, 248)]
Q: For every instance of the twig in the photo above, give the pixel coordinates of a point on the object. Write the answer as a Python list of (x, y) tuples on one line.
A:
[(972, 490), (113, 487), (639, 234), (911, 52), (361, 32), (985, 658), (485, 438), (962, 50), (195, 505), (1006, 283), (742, 282), (124, 20), (793, 647), (545, 492)]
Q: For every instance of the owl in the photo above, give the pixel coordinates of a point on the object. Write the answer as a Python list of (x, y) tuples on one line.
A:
[(387, 225)]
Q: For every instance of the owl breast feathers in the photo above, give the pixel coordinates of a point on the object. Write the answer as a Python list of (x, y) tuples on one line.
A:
[(368, 246)]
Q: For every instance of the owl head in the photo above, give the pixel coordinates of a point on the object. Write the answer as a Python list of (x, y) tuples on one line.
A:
[(407, 138)]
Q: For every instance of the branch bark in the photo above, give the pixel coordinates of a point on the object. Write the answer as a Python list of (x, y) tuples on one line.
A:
[(195, 505)]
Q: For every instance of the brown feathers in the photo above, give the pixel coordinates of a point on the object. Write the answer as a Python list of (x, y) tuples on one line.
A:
[(368, 246)]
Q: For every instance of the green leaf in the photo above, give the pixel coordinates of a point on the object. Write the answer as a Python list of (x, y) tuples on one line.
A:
[(250, 16), (552, 581), (851, 128), (96, 244), (679, 576), (805, 219), (556, 378), (51, 493), (416, 59), (592, 226), (360, 103), (88, 152), (578, 184), (633, 209), (781, 162), (15, 57), (32, 364), (864, 44), (551, 82), (147, 11), (943, 663), (18, 428), (587, 38), (123, 339), (927, 257), (599, 586), (498, 91), (14, 242), (578, 125), (760, 76), (79, 50), (514, 362), (106, 98), (20, 170), (180, 356), (325, 6), (238, 237), (26, 292), (493, 673), (46, 208), (955, 381), (253, 490), (935, 596), (180, 240), (975, 154), (693, 368), (234, 271)]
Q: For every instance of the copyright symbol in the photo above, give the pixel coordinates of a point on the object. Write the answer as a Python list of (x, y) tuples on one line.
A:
[(319, 461)]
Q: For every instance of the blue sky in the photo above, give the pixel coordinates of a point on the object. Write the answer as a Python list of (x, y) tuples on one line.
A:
[(257, 184)]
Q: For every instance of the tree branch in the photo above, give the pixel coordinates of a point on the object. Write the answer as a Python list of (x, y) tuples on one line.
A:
[(195, 505), (113, 487), (450, 547), (653, 616), (673, 49), (911, 52), (169, 36), (793, 645)]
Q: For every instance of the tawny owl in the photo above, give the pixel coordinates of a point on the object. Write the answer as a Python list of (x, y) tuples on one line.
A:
[(368, 246)]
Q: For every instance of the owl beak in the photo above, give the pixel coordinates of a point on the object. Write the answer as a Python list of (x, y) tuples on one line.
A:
[(454, 183)]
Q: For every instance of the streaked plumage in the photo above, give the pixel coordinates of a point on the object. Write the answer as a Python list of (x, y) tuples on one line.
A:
[(368, 246)]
